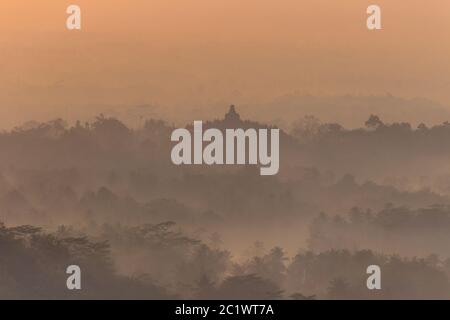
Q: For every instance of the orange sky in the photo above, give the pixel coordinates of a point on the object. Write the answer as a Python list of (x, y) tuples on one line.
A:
[(187, 54)]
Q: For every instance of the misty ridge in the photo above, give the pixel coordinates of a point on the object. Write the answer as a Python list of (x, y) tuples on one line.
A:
[(107, 197)]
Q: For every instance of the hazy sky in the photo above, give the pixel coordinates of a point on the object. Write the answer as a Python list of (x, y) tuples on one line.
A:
[(180, 55)]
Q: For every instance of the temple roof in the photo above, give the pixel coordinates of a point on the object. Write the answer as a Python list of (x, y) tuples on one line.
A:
[(232, 115)]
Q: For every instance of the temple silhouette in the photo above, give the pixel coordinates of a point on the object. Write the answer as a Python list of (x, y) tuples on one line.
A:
[(232, 116)]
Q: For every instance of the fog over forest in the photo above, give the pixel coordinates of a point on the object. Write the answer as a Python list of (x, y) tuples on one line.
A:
[(105, 196)]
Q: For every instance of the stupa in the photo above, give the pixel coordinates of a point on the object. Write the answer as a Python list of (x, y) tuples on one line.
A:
[(232, 116)]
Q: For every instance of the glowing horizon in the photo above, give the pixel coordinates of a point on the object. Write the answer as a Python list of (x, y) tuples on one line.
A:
[(196, 54)]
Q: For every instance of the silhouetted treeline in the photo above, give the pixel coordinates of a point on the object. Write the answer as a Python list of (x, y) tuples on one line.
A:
[(163, 263), (33, 266), (383, 190), (393, 229), (378, 150)]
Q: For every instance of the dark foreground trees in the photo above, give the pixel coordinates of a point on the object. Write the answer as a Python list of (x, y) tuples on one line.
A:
[(169, 264), (33, 266)]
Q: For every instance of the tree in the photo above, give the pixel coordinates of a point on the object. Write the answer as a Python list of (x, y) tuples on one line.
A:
[(246, 287), (374, 122)]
